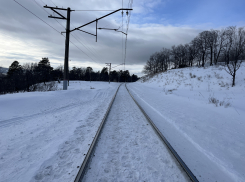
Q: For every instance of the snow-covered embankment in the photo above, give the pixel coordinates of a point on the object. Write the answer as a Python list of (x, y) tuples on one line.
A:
[(209, 136)]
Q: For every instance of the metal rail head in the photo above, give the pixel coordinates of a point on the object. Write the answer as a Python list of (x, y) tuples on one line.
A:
[(175, 154), (86, 161)]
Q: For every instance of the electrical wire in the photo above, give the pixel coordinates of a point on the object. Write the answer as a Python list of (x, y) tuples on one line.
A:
[(70, 34), (118, 65), (48, 12), (88, 48), (37, 16), (49, 26), (76, 37), (84, 46), (127, 21), (94, 10), (91, 50), (52, 2)]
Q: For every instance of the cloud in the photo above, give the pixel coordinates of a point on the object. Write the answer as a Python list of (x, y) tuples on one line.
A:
[(27, 39)]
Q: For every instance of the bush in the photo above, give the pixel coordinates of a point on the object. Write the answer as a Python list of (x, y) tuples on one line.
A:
[(41, 87), (214, 101), (199, 78), (217, 103), (218, 76), (192, 76)]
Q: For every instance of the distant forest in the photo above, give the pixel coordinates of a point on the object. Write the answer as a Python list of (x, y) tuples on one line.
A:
[(25, 77), (226, 46)]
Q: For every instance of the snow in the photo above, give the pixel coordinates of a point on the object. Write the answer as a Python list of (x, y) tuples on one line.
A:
[(209, 138), (130, 150), (44, 135)]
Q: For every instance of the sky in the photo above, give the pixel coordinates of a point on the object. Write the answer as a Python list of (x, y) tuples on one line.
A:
[(28, 37)]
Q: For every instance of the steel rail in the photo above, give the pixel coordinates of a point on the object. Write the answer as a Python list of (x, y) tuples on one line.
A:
[(89, 154), (175, 154)]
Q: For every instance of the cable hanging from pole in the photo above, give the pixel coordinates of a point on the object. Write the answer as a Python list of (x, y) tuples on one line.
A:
[(71, 34)]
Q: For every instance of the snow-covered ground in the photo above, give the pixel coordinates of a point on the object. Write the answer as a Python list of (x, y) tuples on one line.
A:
[(210, 138), (129, 149), (44, 135)]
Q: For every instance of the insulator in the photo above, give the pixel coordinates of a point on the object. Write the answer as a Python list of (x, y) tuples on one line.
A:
[(122, 13), (127, 13)]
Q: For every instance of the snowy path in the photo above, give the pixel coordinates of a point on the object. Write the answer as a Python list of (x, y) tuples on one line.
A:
[(45, 139), (130, 150)]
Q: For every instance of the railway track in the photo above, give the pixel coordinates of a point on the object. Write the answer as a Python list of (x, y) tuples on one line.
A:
[(89, 155)]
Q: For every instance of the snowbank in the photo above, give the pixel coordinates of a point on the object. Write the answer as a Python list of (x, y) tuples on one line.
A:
[(207, 133)]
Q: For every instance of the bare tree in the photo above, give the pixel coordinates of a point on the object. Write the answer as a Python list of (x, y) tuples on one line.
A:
[(211, 38), (166, 58), (179, 55), (236, 52), (192, 51), (202, 40), (148, 68)]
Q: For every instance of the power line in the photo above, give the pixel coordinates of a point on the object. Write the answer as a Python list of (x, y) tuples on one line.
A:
[(52, 2), (94, 10), (47, 12), (130, 3), (93, 53), (64, 27), (118, 65), (49, 26), (85, 47), (88, 49), (36, 16), (80, 49)]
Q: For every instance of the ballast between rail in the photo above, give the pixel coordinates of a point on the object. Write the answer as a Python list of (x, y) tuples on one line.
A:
[(88, 156)]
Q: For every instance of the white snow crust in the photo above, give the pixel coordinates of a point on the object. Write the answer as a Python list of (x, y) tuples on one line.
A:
[(209, 138), (44, 135)]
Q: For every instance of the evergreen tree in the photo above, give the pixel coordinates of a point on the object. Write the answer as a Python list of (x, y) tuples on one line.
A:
[(15, 76), (104, 74), (44, 70)]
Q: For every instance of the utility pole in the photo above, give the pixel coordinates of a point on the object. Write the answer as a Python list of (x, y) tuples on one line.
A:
[(66, 70), (68, 74), (67, 41), (109, 64)]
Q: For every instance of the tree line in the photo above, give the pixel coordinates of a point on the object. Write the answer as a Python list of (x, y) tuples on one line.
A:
[(24, 77), (208, 47)]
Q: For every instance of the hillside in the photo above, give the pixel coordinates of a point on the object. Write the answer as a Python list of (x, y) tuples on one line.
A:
[(203, 84), (202, 116)]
